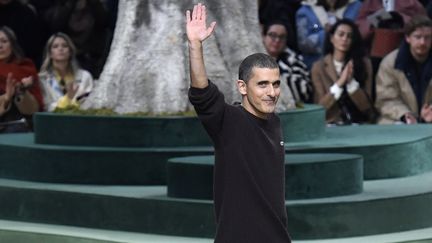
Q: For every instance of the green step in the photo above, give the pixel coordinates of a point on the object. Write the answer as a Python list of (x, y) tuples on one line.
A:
[(22, 159), (27, 237), (389, 151), (170, 131), (307, 176), (384, 206), (24, 232), (118, 131), (306, 124)]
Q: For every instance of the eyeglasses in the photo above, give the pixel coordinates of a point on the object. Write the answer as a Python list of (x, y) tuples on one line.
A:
[(274, 37)]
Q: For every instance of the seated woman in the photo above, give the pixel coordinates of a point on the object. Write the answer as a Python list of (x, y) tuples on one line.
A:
[(292, 68), (20, 94), (64, 84), (342, 78), (314, 18)]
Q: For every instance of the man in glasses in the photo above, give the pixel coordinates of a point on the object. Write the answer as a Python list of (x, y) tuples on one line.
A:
[(249, 170)]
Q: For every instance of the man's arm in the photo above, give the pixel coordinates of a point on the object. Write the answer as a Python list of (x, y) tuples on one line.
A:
[(197, 32)]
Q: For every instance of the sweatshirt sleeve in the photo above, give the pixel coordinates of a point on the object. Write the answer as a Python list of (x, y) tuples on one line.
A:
[(209, 104)]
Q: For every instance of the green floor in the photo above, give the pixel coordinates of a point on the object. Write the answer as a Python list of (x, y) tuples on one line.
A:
[(19, 232)]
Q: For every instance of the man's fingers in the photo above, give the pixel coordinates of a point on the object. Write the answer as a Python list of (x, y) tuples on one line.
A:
[(211, 28), (199, 11), (188, 16), (194, 12), (203, 12)]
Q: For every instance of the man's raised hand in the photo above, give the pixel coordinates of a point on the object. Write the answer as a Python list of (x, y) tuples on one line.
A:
[(196, 28)]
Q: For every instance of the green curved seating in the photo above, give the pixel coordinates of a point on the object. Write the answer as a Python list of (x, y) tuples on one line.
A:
[(22, 159), (307, 176), (171, 131), (118, 131), (384, 206), (324, 172), (305, 124), (388, 151)]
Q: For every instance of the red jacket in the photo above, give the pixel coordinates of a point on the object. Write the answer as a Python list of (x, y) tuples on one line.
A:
[(21, 69)]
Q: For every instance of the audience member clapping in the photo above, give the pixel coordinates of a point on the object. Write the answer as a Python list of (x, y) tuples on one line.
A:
[(342, 78), (64, 83), (20, 94), (315, 18)]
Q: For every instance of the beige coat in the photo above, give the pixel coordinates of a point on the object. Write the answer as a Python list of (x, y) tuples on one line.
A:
[(395, 97), (324, 75)]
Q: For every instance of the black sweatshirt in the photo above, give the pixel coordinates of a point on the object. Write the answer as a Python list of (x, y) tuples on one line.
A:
[(249, 178)]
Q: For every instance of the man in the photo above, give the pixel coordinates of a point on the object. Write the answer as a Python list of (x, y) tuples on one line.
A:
[(404, 91), (249, 168)]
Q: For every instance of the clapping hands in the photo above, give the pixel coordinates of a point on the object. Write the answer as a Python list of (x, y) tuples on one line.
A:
[(71, 90), (426, 113), (346, 75), (10, 87)]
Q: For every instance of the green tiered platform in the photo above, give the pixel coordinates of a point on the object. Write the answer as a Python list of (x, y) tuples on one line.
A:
[(307, 176), (110, 173), (384, 206), (22, 158), (388, 151)]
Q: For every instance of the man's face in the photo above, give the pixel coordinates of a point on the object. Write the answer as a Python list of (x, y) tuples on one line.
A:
[(260, 94), (420, 42)]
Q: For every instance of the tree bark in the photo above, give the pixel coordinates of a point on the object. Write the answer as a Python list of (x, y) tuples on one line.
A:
[(148, 70)]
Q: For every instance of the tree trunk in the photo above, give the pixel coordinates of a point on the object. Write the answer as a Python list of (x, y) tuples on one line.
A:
[(148, 70)]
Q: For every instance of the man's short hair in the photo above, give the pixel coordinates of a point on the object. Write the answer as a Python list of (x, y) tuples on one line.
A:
[(417, 22), (258, 60)]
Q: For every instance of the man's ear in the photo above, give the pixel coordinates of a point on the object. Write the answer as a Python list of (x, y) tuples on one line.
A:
[(241, 85)]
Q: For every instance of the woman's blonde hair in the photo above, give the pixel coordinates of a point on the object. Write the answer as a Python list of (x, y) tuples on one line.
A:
[(47, 64)]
